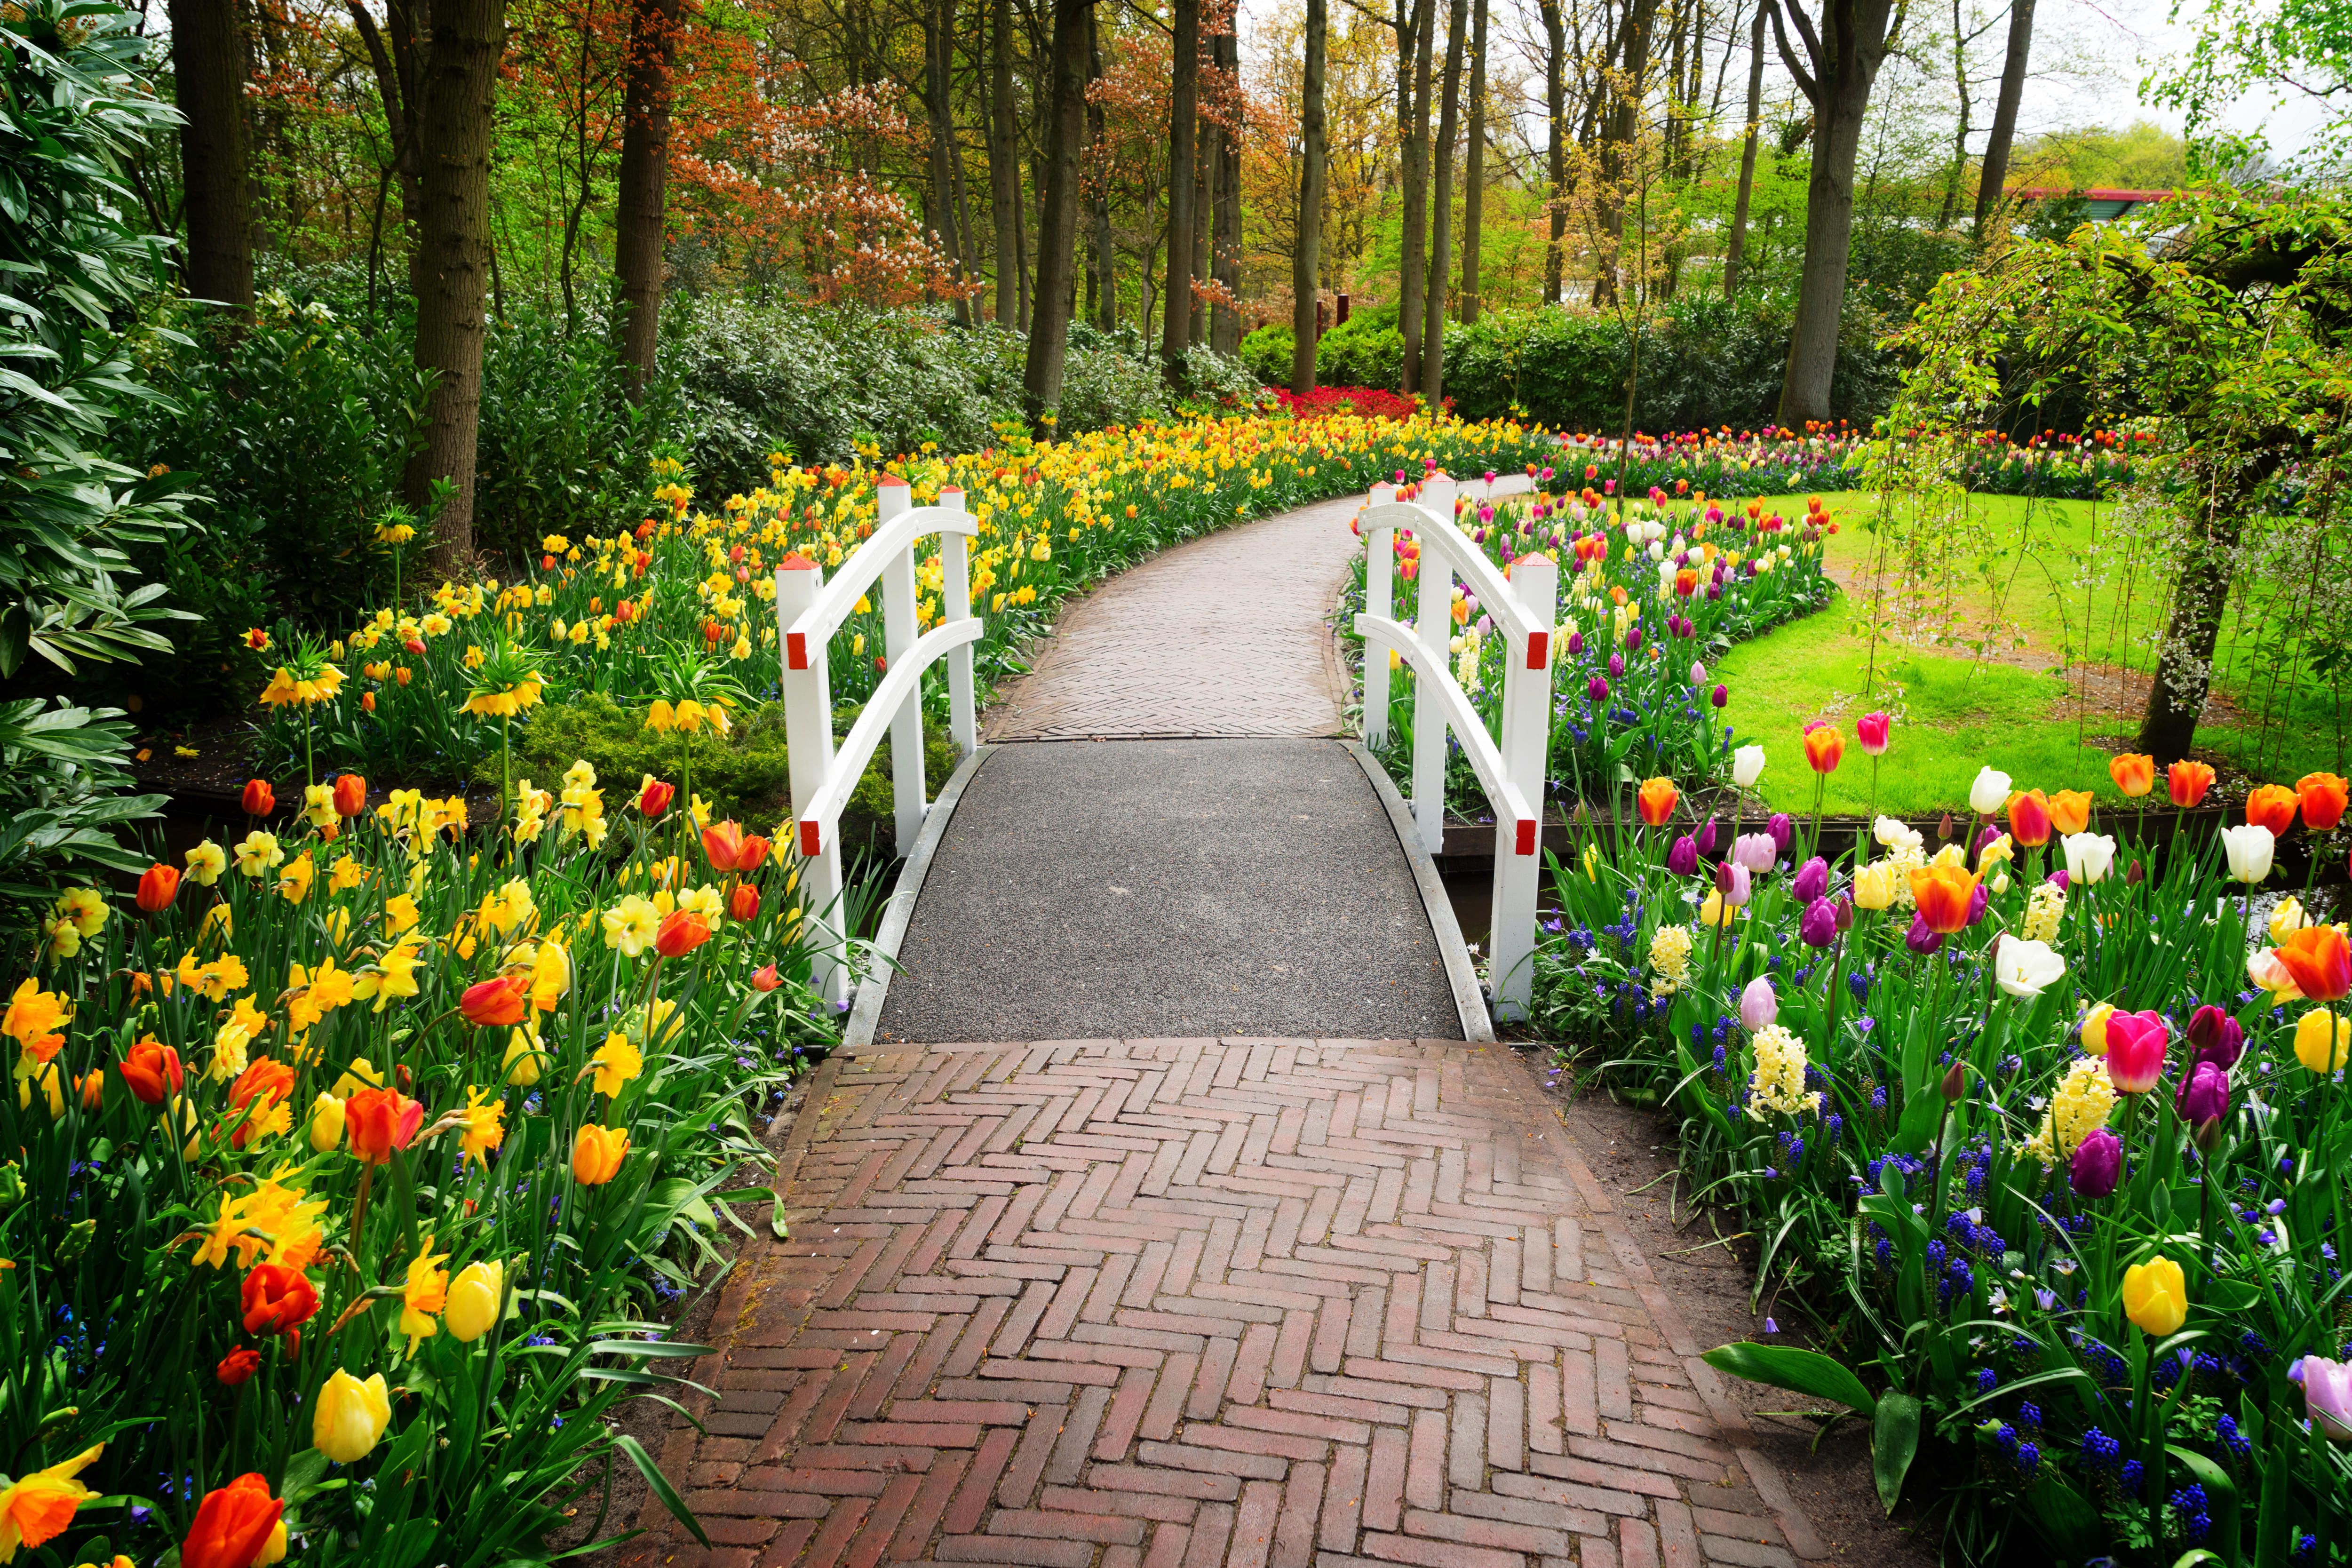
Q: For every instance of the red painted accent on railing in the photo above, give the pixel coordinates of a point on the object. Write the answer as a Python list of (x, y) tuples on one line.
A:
[(1538, 649), (1527, 845), (796, 650), (812, 838)]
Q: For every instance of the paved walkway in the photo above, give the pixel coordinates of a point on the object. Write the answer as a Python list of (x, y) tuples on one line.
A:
[(1186, 1303), (1223, 637), (1158, 888)]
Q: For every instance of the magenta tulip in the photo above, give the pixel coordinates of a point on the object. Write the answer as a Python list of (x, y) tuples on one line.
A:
[(2135, 1044), (2097, 1164)]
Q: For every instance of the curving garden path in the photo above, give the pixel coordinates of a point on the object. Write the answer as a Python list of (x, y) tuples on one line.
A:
[(1257, 1302)]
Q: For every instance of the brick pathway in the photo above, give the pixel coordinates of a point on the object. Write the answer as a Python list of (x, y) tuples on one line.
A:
[(1221, 637), (1185, 1303)]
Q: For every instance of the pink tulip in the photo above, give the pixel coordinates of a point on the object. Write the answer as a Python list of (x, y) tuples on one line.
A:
[(1870, 734), (2136, 1042), (1757, 1005), (2326, 1395)]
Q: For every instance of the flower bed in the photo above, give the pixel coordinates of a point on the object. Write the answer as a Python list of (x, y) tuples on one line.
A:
[(1835, 457), (2045, 1134)]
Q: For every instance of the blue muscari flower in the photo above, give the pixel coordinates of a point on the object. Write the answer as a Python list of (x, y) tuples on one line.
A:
[(1833, 1126), (2008, 1439), (1719, 1058), (2133, 1471), (2189, 1504), (1878, 1097), (2306, 1548), (1859, 984), (2100, 1451), (2226, 1429), (2029, 1458), (1698, 1033), (1987, 1380)]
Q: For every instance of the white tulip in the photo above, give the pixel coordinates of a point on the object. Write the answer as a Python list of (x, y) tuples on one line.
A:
[(1897, 834), (2089, 857), (2026, 968), (1990, 792), (1657, 551), (1746, 766), (2249, 849)]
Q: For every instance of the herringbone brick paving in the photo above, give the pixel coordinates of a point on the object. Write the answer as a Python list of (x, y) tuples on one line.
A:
[(1180, 1303)]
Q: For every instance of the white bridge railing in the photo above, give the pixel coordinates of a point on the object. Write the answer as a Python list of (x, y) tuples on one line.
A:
[(809, 610), (1524, 607)]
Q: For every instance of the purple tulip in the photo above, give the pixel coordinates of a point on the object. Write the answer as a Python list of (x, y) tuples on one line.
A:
[(1632, 639), (1818, 926), (1779, 828), (1597, 689), (1616, 666), (1985, 836), (2097, 1164), (1722, 695), (1976, 902), (1812, 881), (1844, 913), (1756, 851), (1683, 858), (1921, 940), (2059, 880), (1714, 590), (1706, 837), (2204, 1094), (1575, 644), (2219, 1038)]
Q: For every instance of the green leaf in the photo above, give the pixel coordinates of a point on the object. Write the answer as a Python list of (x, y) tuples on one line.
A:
[(1921, 1112), (660, 1484), (2067, 1522), (1798, 1371), (1894, 1443)]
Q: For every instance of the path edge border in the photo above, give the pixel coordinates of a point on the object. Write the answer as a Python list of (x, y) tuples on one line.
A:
[(865, 1013), (1469, 1001)]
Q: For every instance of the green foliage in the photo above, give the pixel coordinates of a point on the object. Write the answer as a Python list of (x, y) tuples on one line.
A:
[(63, 787), (1266, 353)]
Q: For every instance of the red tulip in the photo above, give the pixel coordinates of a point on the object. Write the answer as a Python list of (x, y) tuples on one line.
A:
[(260, 800), (158, 886), (350, 795), (153, 1070), (681, 932), (237, 1365), (723, 842), (2320, 961), (2028, 819), (380, 1121), (233, 1524), (2324, 797), (655, 798), (744, 903), (2187, 780), (277, 1299), (496, 1003), (766, 979), (754, 853)]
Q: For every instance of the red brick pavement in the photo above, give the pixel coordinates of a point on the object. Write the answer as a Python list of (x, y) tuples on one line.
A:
[(1180, 1303)]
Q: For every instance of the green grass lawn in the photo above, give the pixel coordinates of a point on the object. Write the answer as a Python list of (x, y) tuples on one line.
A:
[(2018, 589)]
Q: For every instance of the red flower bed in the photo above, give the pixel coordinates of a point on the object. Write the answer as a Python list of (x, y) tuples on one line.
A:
[(1370, 402)]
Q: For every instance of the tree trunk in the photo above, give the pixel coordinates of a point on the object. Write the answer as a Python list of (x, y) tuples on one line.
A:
[(1414, 39), (1183, 144), (939, 45), (1473, 172), (1203, 232), (1556, 160), (1441, 259), (2184, 668), (1845, 56), (1225, 320), (208, 72), (1617, 150), (1737, 249), (1058, 213), (452, 268), (1306, 260), (1105, 282), (645, 176), (2004, 114), (1003, 164)]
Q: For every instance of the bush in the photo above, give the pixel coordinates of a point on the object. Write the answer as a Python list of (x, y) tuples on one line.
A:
[(1267, 352)]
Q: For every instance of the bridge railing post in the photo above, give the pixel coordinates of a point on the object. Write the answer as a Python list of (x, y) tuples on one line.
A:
[(1380, 598), (1525, 743), (1433, 623), (893, 499), (808, 732), (955, 605)]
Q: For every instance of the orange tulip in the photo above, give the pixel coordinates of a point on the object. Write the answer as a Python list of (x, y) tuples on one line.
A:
[(2070, 810), (2319, 959), (265, 1082), (1824, 747), (93, 1089), (2322, 799), (2028, 819), (1944, 894), (498, 1003), (277, 1299), (260, 800), (2134, 773), (233, 1524), (723, 842), (754, 853), (158, 886), (744, 903), (2188, 782), (680, 933), (1656, 800), (153, 1070), (380, 1121), (350, 795), (2272, 806), (597, 1154)]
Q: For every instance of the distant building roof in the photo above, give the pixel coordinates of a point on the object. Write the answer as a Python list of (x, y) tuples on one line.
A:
[(2105, 204)]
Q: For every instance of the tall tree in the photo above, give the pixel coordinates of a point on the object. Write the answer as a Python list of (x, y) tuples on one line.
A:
[(1057, 211), (1626, 89), (1473, 172), (1225, 320), (1306, 259), (1449, 126), (939, 106), (1003, 164), (644, 183), (1414, 28), (1843, 55), (209, 69), (1106, 281), (2004, 114), (452, 258), (1183, 145), (1737, 249), (1555, 147)]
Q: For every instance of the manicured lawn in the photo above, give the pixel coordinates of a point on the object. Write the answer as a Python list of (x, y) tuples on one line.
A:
[(2016, 590)]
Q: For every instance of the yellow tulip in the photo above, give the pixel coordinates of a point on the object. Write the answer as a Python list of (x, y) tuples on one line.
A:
[(2322, 1040), (2156, 1295), (2095, 1028), (474, 1297), (521, 1060), (1874, 885), (350, 1417), (326, 1122)]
